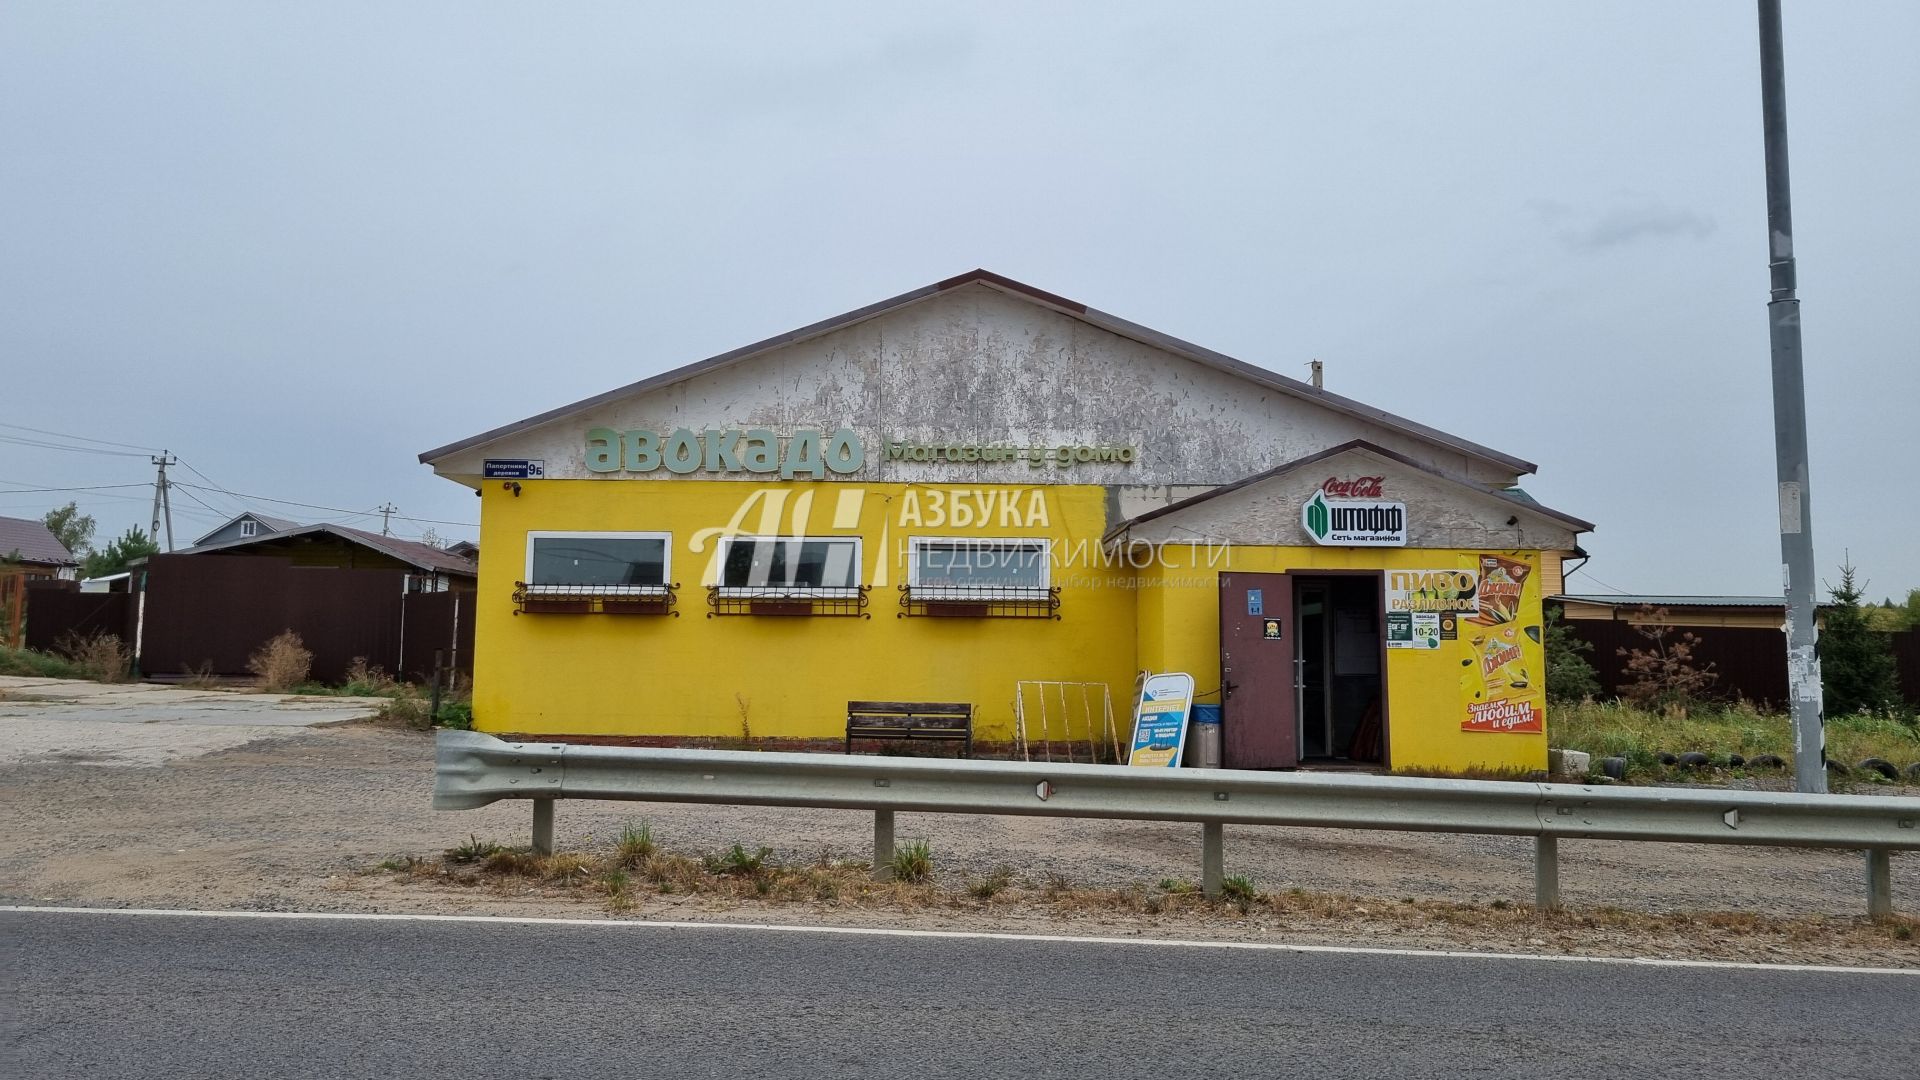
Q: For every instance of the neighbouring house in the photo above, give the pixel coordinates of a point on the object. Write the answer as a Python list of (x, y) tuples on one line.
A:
[(31, 546), (466, 549), (429, 569), (246, 526)]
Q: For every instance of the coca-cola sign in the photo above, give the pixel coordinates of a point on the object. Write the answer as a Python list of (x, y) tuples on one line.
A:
[(1363, 487)]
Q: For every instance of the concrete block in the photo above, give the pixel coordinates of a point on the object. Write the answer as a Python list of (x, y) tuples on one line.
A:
[(1569, 762)]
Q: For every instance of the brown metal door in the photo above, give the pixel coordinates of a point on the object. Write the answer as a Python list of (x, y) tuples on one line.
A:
[(1256, 671)]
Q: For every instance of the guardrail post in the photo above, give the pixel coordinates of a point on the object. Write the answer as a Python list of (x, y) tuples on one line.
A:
[(882, 845), (1879, 883), (543, 826), (1546, 873), (1213, 862)]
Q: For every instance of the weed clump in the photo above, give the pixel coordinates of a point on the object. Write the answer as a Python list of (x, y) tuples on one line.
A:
[(992, 885), (473, 850), (1238, 890), (636, 845), (100, 657), (912, 862), (282, 663)]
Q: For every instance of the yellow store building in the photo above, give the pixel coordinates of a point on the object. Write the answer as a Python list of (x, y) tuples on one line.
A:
[(980, 492)]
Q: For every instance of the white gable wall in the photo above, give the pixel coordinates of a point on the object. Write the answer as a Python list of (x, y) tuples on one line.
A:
[(977, 366), (1440, 514)]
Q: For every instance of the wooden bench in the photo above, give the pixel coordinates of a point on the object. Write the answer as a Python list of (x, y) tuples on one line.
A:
[(948, 720)]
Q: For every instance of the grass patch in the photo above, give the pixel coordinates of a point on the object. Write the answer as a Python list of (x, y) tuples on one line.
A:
[(1239, 891), (912, 862), (32, 663), (636, 846), (622, 880), (992, 885), (1614, 729)]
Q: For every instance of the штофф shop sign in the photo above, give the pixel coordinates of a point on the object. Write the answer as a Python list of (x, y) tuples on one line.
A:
[(1354, 522)]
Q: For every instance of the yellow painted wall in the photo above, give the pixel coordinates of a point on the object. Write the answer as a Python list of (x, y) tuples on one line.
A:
[(791, 677), (1427, 692), (779, 677)]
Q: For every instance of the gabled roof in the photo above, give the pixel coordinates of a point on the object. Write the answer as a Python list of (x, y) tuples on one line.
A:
[(34, 541), (421, 556), (1518, 502), (273, 524), (1071, 308)]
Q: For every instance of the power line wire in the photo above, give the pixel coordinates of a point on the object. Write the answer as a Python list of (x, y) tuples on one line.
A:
[(80, 438), (315, 506), (37, 490), (20, 441)]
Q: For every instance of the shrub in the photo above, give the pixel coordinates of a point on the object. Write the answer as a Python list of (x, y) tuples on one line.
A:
[(100, 657), (1664, 674), (1570, 676), (281, 664), (455, 714), (406, 709), (368, 680)]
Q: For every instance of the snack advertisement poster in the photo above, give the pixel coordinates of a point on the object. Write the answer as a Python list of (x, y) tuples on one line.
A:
[(1502, 661)]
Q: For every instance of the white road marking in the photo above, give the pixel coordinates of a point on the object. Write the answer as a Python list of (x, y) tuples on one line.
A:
[(973, 935)]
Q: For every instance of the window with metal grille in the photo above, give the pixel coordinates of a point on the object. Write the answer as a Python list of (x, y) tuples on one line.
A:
[(601, 563)]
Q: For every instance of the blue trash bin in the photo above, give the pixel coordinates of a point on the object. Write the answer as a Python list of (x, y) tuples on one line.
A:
[(1203, 737)]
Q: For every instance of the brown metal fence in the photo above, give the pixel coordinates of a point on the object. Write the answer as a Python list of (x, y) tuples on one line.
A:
[(1751, 662), (211, 613), (436, 622), (1906, 656), (55, 614)]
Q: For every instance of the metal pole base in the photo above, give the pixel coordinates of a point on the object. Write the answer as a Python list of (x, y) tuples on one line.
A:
[(1212, 857), (1879, 883), (1546, 873), (543, 826), (883, 845)]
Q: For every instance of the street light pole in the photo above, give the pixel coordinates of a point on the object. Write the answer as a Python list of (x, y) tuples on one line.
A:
[(1790, 423)]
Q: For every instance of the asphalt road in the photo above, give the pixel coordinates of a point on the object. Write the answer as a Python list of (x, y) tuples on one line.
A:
[(110, 995)]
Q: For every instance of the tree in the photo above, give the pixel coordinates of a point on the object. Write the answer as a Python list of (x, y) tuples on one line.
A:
[(1857, 673), (1570, 676), (73, 528), (1664, 674), (115, 556)]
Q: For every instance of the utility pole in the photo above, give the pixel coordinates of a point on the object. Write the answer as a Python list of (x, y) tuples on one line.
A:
[(386, 512), (1790, 423), (162, 500)]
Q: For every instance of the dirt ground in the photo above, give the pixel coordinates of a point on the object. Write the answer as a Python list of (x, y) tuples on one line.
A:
[(300, 819)]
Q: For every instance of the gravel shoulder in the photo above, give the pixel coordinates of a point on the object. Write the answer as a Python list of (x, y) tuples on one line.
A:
[(300, 819)]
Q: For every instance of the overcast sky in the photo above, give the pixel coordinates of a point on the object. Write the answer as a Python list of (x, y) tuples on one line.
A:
[(298, 244)]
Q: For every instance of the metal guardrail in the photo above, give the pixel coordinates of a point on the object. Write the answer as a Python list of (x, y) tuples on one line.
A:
[(474, 770)]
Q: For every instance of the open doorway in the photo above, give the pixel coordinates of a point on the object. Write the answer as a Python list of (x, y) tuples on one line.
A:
[(1338, 661)]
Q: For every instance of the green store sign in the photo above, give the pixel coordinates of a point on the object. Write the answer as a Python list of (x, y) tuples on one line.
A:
[(753, 450)]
